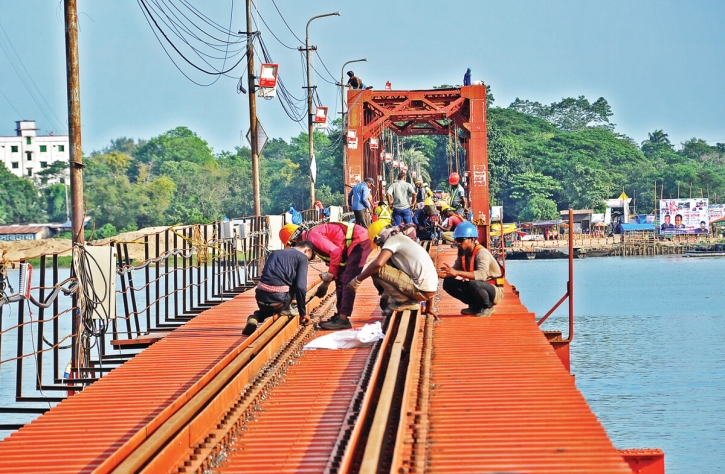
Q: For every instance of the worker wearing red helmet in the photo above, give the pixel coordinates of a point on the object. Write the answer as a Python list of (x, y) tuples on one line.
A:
[(457, 200), (345, 247)]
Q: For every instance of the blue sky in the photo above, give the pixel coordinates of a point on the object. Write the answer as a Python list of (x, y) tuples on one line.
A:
[(658, 63)]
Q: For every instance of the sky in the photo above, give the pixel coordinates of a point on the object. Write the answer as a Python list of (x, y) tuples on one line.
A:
[(659, 63)]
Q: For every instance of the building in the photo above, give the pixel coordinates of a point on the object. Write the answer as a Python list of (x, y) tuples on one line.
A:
[(28, 153), (582, 219), (12, 233)]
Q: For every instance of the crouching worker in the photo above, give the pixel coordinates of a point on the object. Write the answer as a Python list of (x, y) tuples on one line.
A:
[(345, 248), (284, 278), (473, 277), (403, 273)]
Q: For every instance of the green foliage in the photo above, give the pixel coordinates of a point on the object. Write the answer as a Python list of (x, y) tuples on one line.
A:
[(570, 114), (177, 145), (54, 197), (539, 208), (20, 202)]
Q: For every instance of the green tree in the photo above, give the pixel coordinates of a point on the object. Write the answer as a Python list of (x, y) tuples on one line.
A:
[(55, 202), (177, 145), (20, 202), (539, 209), (570, 114)]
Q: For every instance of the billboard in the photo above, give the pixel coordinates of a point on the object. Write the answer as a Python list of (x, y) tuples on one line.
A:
[(716, 211), (684, 216)]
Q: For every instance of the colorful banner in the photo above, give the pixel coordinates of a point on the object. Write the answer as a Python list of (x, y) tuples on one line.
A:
[(716, 211), (684, 216)]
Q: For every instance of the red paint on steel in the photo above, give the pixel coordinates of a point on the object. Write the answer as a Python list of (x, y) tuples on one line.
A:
[(421, 113), (99, 427), (645, 461), (501, 400)]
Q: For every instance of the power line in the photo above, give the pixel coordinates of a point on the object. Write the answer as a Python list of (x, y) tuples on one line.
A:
[(270, 29), (11, 104), (285, 22)]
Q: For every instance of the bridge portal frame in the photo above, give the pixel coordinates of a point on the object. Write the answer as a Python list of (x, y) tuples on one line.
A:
[(422, 112)]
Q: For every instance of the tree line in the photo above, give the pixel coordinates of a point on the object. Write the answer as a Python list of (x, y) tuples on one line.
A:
[(542, 158)]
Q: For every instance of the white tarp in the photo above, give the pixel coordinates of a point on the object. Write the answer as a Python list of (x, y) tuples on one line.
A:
[(348, 338)]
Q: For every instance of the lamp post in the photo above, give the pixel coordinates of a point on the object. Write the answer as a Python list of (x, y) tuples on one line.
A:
[(344, 122), (309, 104)]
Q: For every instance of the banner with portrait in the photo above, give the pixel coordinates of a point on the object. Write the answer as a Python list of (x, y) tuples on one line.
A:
[(684, 216)]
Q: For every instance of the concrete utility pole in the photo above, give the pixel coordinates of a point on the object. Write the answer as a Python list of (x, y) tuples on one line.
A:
[(253, 113), (310, 124), (74, 120), (344, 122)]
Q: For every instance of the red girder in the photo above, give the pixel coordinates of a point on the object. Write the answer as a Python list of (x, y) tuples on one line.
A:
[(420, 113)]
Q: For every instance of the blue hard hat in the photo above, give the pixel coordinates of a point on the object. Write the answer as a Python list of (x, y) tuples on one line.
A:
[(465, 230)]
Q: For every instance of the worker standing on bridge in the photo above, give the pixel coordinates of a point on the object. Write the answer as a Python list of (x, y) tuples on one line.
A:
[(284, 278), (361, 202), (467, 77), (345, 247), (403, 273), (457, 199), (401, 197), (475, 277)]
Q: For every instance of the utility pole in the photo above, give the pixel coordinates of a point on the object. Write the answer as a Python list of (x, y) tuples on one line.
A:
[(310, 124), (253, 113), (344, 122), (74, 120)]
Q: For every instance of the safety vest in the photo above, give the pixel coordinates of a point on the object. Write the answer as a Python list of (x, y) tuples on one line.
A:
[(455, 198), (383, 212), (468, 266), (348, 240)]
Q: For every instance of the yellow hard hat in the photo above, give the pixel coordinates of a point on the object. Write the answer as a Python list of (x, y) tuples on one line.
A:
[(446, 207), (428, 202), (287, 232), (376, 227)]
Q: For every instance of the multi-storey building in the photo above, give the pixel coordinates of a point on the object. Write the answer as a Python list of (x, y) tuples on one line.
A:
[(27, 153)]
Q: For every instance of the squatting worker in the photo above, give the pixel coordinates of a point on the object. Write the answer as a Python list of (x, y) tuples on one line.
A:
[(451, 221), (345, 248), (354, 82), (401, 197), (403, 273), (361, 202), (473, 277), (284, 278)]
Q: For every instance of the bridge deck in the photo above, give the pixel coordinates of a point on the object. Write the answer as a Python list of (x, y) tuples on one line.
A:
[(500, 400)]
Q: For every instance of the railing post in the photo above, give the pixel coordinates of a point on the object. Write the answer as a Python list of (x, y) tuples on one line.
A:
[(570, 284)]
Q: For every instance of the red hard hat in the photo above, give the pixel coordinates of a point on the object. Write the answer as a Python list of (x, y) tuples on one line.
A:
[(454, 179)]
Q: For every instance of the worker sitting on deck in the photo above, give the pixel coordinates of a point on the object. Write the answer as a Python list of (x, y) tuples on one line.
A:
[(475, 277), (425, 222), (403, 273), (284, 278), (383, 212), (451, 221), (345, 248)]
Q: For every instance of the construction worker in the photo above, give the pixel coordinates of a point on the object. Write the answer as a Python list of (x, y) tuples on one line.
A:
[(284, 279), (403, 273), (475, 277), (421, 193), (360, 200), (401, 197), (345, 247), (467, 77), (383, 212), (354, 82), (457, 199), (451, 221), (425, 222)]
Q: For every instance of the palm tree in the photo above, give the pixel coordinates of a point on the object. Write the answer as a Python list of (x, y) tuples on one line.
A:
[(415, 158), (658, 136)]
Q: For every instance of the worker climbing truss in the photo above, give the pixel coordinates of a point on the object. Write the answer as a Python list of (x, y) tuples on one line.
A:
[(457, 113)]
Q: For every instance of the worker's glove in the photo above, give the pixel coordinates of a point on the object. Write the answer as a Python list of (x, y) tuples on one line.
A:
[(326, 277), (322, 289), (354, 285)]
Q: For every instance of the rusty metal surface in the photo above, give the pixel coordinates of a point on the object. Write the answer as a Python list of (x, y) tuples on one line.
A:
[(298, 424), (501, 400), (103, 424)]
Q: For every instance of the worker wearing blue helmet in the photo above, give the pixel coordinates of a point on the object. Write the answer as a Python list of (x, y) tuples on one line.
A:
[(475, 277)]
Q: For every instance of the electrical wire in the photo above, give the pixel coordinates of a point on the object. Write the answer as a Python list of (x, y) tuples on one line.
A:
[(285, 22), (270, 29)]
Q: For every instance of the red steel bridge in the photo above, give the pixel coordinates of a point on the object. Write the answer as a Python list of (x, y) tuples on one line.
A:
[(460, 394)]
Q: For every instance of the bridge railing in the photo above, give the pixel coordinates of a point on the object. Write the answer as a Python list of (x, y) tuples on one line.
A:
[(163, 279)]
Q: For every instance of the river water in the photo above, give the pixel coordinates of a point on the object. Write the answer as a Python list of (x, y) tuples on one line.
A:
[(648, 350)]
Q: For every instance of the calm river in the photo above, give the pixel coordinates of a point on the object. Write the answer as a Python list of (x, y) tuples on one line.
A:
[(648, 350)]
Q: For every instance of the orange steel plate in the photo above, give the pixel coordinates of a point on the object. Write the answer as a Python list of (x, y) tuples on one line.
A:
[(106, 421), (501, 400), (299, 421)]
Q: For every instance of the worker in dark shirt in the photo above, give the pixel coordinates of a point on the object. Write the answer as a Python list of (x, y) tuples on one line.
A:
[(284, 278), (354, 82)]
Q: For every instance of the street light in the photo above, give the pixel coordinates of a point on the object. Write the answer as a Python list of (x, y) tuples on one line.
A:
[(344, 121), (309, 104)]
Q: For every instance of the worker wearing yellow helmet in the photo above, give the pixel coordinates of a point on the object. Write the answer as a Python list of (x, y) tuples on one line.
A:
[(345, 248), (403, 273)]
